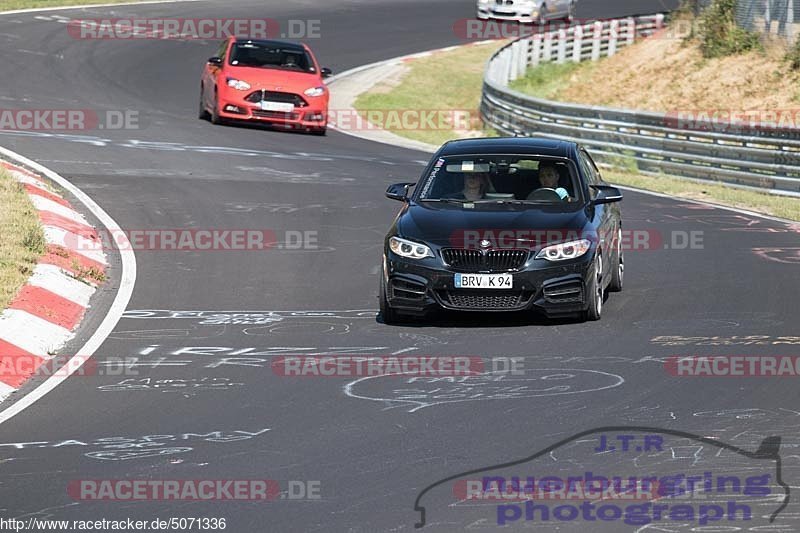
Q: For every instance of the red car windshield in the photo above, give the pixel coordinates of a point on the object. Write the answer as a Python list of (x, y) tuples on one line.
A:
[(266, 56)]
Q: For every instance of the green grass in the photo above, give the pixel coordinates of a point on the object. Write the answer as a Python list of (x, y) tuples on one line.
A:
[(549, 79), (444, 82), (23, 238), (13, 5), (778, 206)]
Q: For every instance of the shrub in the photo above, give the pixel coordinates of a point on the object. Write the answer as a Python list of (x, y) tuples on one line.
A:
[(720, 35), (793, 56)]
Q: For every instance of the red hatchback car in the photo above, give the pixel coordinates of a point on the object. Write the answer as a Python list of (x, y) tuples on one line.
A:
[(274, 82)]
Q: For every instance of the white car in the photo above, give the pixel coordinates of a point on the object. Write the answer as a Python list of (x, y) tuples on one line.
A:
[(538, 11)]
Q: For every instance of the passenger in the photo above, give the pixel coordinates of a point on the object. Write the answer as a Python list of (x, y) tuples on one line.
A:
[(548, 177)]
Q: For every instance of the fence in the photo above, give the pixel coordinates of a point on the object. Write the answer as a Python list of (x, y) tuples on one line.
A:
[(776, 17), (576, 43), (767, 158)]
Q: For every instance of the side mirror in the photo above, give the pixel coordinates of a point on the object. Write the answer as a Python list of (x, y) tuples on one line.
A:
[(326, 72), (606, 194), (399, 191), (215, 61)]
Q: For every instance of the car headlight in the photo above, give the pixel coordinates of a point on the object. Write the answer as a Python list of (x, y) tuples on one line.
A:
[(238, 84), (410, 249), (565, 250), (314, 91)]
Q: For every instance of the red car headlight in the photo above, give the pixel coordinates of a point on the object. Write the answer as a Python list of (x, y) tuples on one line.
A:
[(239, 85)]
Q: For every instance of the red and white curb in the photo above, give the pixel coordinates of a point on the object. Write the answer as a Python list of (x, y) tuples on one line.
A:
[(47, 310)]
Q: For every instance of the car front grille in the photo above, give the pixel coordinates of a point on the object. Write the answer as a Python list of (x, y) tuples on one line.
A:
[(483, 300), (277, 115), (476, 261), (276, 96)]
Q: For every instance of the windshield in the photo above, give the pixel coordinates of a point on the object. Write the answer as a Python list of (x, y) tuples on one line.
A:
[(261, 55), (501, 179)]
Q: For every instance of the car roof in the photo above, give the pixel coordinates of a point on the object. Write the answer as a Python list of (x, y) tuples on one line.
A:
[(513, 145), (266, 42)]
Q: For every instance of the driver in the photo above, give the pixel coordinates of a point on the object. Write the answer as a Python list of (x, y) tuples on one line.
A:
[(548, 177), (290, 61), (475, 186)]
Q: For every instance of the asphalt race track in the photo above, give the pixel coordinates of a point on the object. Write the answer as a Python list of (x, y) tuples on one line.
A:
[(371, 452)]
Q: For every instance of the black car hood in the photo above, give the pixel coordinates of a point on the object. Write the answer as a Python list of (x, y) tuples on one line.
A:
[(442, 225)]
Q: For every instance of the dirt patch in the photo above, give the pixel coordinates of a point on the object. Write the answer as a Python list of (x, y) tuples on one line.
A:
[(666, 74), (391, 81)]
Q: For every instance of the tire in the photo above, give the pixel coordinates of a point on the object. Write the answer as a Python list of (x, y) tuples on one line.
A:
[(202, 114), (388, 315), (319, 131), (215, 118), (594, 291), (618, 266)]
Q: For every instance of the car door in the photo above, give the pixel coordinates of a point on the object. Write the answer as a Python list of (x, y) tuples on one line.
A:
[(604, 220), (211, 72)]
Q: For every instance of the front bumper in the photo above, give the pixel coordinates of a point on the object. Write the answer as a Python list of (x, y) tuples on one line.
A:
[(507, 13), (233, 106), (554, 289)]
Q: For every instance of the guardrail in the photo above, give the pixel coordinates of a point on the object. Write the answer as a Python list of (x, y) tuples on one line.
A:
[(658, 143)]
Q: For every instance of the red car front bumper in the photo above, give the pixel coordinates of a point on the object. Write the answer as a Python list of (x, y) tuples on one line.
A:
[(308, 112)]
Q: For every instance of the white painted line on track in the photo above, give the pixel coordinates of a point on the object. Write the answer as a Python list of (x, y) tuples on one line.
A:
[(710, 204), (127, 283)]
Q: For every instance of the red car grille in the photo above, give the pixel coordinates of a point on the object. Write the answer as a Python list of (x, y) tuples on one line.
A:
[(277, 115), (276, 96)]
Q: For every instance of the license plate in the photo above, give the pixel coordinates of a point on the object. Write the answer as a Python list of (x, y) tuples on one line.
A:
[(282, 107), (484, 281)]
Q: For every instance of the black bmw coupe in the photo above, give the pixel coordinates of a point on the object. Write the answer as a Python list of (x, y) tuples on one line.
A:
[(504, 224)]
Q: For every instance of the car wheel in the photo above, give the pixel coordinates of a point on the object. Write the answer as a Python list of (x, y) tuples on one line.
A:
[(215, 118), (389, 316), (202, 113), (618, 267), (594, 290), (319, 131)]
